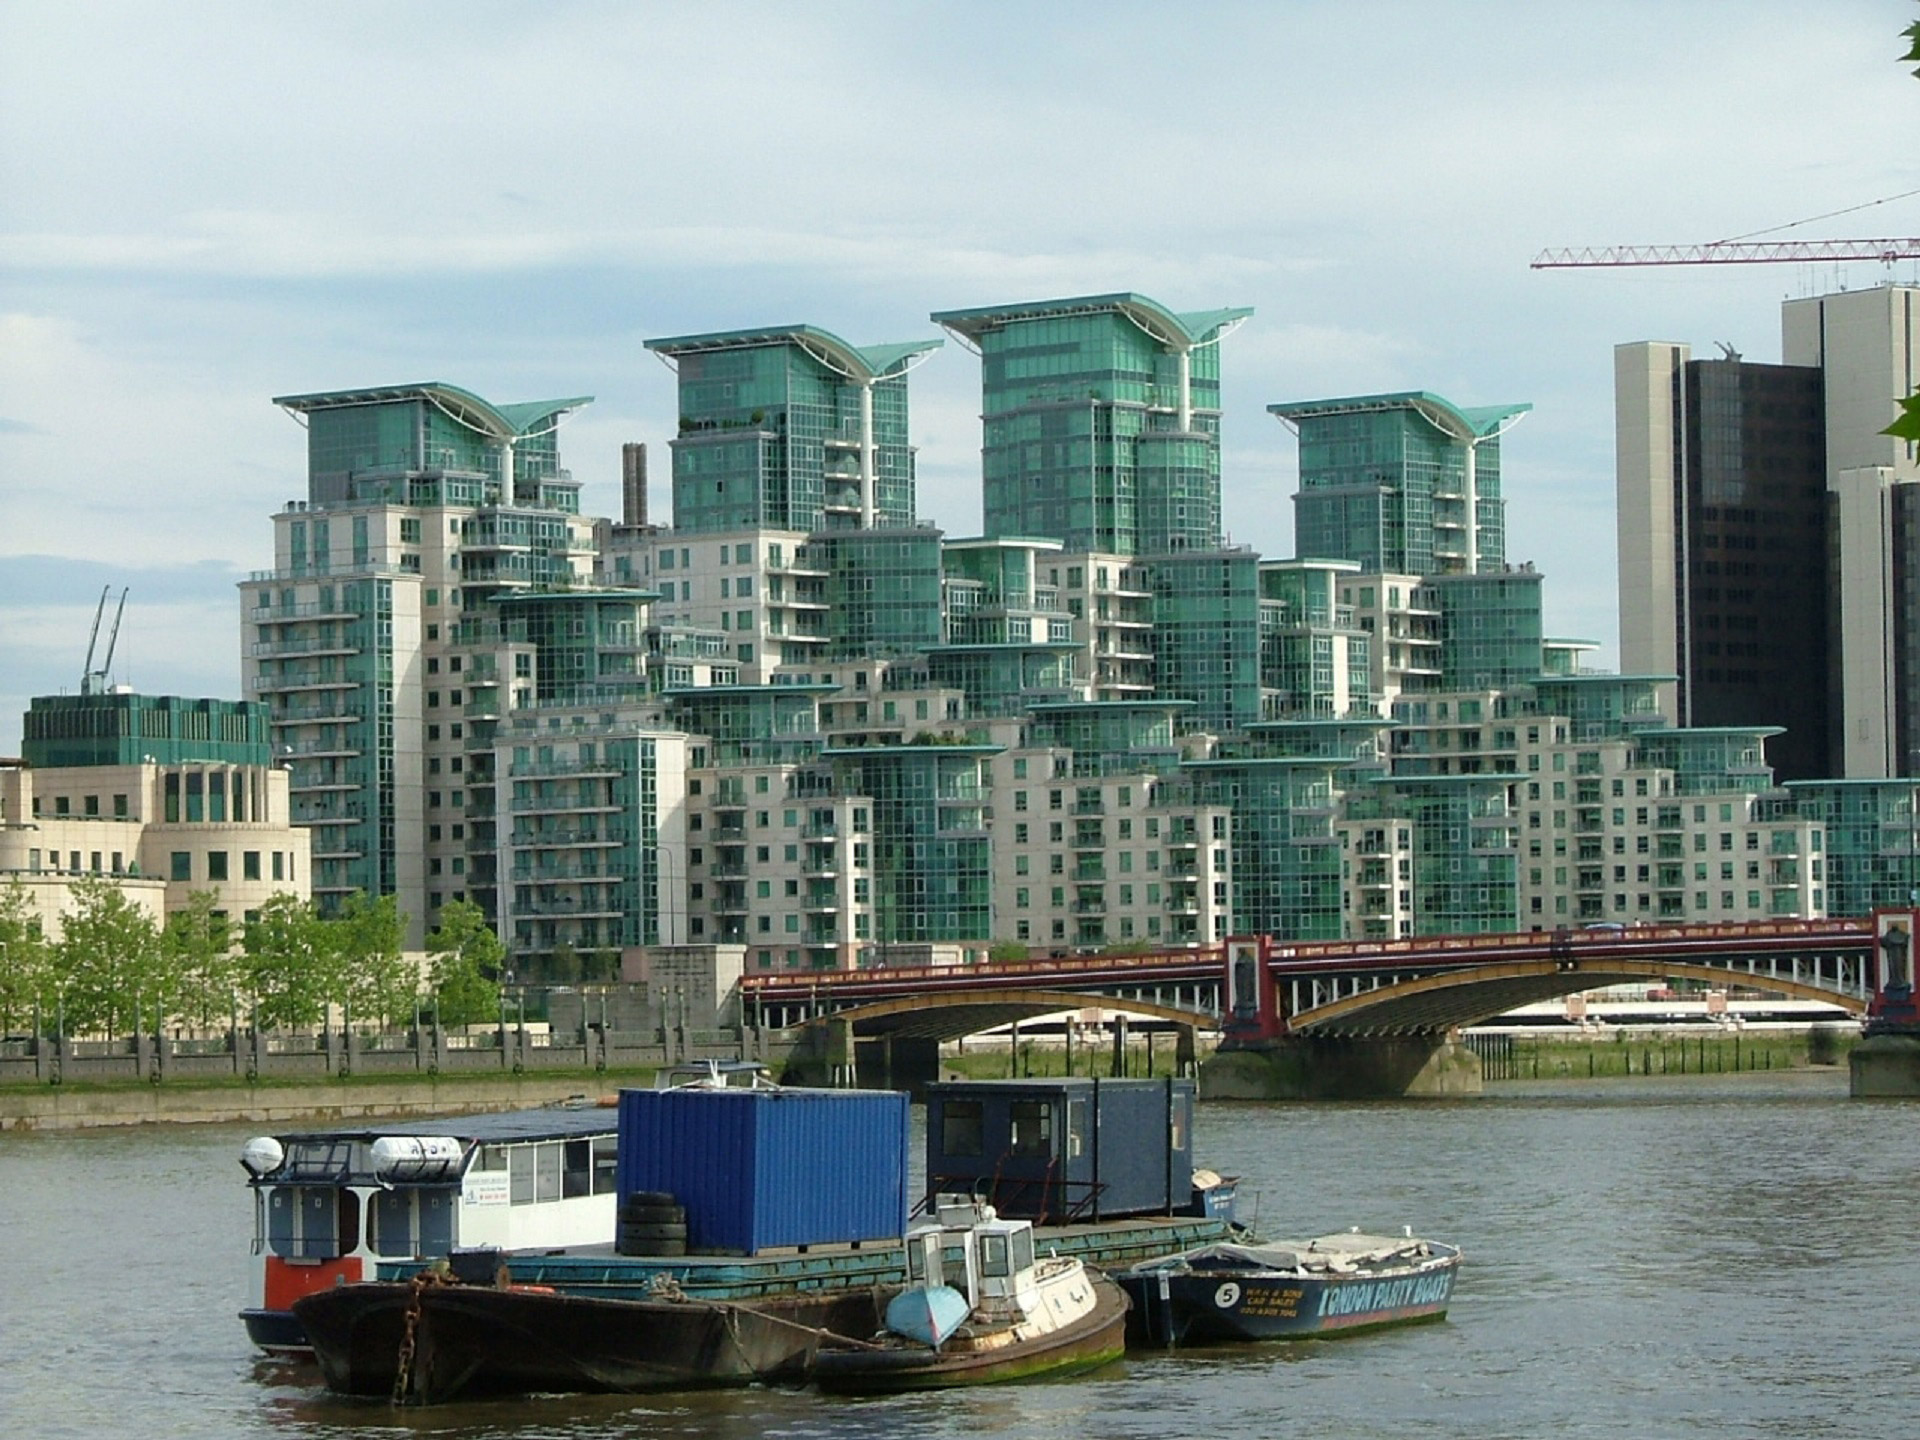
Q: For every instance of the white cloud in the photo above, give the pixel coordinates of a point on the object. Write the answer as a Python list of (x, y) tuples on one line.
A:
[(233, 201)]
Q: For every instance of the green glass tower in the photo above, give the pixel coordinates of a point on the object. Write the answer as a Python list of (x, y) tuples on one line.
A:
[(790, 428), (1102, 421), (1405, 484)]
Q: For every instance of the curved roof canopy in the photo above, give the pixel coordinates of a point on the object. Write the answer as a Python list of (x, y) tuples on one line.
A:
[(1446, 417), (875, 362), (496, 422), (1174, 330)]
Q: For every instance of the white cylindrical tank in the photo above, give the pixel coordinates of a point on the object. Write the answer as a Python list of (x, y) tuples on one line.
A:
[(401, 1157)]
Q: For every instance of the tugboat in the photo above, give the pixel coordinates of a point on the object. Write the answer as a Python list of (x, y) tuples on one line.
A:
[(1008, 1315), (1338, 1284)]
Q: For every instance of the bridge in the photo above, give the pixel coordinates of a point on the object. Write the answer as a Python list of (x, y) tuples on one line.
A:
[(1404, 997)]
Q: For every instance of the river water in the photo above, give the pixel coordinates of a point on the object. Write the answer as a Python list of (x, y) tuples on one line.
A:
[(1685, 1256)]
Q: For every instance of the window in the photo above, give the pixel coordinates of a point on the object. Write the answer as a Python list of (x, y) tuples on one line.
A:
[(182, 868), (216, 865), (962, 1131), (250, 865)]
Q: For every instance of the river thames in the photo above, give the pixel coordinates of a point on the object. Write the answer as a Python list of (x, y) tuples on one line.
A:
[(1684, 1256)]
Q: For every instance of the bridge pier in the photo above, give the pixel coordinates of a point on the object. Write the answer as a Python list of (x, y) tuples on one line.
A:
[(1885, 1067), (898, 1062), (1311, 1067)]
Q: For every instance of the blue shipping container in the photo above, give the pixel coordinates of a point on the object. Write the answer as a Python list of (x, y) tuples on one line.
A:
[(766, 1169)]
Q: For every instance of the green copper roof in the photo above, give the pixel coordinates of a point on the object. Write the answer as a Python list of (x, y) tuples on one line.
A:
[(498, 422), (1174, 330), (874, 362), (1438, 411)]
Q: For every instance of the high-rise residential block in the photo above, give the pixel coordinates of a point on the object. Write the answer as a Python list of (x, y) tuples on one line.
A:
[(1102, 421), (790, 428), (1407, 483), (425, 503)]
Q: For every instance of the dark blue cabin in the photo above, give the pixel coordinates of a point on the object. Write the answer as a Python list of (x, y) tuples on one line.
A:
[(1059, 1151)]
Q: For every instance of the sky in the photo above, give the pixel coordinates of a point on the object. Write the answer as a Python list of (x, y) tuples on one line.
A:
[(204, 205)]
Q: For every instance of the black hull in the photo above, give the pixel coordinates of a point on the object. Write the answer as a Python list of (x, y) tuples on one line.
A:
[(277, 1333), (1211, 1307), (473, 1341), (1096, 1340)]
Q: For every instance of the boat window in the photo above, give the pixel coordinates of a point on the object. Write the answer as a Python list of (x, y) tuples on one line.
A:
[(916, 1261), (606, 1164), (547, 1168), (1023, 1250), (539, 1173), (1177, 1125), (491, 1157), (576, 1176), (1032, 1127), (993, 1255), (961, 1128)]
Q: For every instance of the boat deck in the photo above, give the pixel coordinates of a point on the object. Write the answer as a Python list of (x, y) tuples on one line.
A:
[(598, 1270)]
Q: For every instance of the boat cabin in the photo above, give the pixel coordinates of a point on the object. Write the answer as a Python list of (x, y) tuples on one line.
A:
[(330, 1205), (971, 1249), (1057, 1151)]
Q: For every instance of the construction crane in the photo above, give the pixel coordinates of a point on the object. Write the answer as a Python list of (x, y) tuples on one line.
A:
[(92, 681), (1748, 249), (1730, 252)]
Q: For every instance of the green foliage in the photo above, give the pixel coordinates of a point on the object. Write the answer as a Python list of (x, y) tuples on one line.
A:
[(25, 957), (290, 964), (201, 968), (464, 965), (1008, 952), (376, 980), (1912, 32), (107, 965), (1907, 427)]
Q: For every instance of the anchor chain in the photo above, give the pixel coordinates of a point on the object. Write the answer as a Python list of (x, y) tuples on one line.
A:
[(409, 1330)]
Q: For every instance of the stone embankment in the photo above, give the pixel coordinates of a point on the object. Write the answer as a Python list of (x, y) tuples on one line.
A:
[(69, 1107)]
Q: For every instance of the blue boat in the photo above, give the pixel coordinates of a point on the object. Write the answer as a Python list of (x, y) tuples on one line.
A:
[(1341, 1284)]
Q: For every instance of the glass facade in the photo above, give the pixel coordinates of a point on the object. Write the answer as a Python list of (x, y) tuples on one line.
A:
[(1206, 635), (1102, 422), (790, 429), (1751, 620), (1407, 484), (932, 852)]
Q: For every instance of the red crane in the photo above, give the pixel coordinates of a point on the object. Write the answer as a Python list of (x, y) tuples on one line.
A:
[(1729, 252)]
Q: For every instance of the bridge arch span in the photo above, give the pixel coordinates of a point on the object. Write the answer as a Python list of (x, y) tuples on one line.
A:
[(1432, 1004), (950, 1016)]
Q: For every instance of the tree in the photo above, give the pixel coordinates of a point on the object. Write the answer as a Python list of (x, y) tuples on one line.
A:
[(204, 971), (108, 958), (465, 962), (24, 956), (377, 980), (290, 964)]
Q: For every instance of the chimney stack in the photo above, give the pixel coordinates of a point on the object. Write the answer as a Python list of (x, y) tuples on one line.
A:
[(633, 483)]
